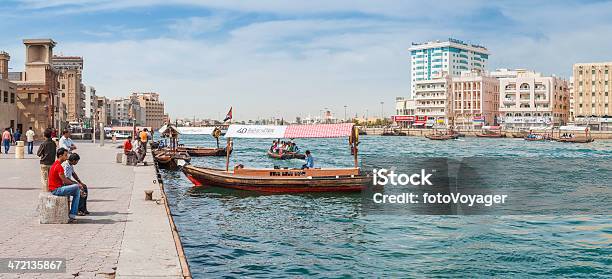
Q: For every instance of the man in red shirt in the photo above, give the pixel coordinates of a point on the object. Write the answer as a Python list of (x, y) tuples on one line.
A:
[(60, 185)]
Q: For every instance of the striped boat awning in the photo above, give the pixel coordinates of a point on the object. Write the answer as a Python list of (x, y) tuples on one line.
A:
[(291, 131), (319, 131)]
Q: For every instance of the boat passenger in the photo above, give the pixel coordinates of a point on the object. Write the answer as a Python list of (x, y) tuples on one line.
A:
[(309, 161), (295, 147), (274, 146)]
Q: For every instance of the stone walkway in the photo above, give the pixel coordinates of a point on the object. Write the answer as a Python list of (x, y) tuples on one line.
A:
[(92, 246)]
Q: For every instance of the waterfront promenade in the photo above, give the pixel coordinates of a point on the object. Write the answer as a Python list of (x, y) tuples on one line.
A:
[(124, 237)]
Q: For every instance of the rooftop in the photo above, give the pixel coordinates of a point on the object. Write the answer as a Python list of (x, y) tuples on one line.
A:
[(449, 41)]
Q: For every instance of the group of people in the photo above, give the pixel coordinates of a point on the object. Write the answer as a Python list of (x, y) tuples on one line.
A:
[(58, 174), (9, 139), (136, 150), (567, 136), (284, 146)]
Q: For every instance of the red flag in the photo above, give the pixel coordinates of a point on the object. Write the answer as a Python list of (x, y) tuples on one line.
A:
[(228, 116)]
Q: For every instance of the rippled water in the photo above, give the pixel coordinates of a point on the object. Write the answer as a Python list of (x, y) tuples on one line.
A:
[(229, 233)]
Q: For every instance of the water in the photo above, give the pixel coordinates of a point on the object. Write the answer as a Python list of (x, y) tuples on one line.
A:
[(229, 233)]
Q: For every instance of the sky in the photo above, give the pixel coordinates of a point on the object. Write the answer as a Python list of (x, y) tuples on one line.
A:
[(274, 58)]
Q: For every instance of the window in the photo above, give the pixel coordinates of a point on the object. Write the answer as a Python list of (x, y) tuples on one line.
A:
[(63, 86), (6, 96), (592, 72), (580, 83), (606, 71), (12, 97)]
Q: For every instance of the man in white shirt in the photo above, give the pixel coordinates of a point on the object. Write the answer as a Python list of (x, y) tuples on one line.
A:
[(30, 138), (66, 142)]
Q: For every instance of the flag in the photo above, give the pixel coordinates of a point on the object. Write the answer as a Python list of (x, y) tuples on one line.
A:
[(228, 116)]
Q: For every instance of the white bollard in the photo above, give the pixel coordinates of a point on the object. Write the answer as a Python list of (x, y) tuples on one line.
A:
[(19, 150)]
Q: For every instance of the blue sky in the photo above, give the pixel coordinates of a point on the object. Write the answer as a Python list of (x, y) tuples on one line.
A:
[(287, 58)]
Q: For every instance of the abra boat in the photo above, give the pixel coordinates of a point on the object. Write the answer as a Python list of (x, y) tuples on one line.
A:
[(491, 132), (274, 180), (573, 134), (442, 136), (286, 155), (169, 159)]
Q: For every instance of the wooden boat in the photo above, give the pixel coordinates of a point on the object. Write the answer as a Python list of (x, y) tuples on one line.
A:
[(570, 137), (274, 180), (286, 155), (393, 133), (168, 159), (202, 151), (279, 180), (521, 134), (576, 140), (491, 132), (442, 136)]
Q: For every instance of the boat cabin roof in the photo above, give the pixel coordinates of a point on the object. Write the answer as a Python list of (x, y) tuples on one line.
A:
[(290, 131)]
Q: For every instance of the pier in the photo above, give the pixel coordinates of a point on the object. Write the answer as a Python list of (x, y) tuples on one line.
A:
[(124, 237)]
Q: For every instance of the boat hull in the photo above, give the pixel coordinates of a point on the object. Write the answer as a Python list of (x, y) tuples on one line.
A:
[(442, 137), (574, 140), (202, 151), (220, 178), (286, 156), (491, 135)]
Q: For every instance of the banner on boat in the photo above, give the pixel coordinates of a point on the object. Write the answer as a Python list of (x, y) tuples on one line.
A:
[(291, 131), (256, 131)]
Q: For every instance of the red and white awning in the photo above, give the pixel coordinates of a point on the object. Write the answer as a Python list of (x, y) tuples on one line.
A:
[(291, 131)]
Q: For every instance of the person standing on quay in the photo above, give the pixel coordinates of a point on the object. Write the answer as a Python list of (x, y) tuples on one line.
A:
[(46, 152), (16, 136), (30, 138), (6, 140), (144, 138)]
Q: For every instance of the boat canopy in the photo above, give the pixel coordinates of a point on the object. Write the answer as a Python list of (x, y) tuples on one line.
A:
[(573, 128), (290, 131), (540, 128), (491, 127), (164, 128)]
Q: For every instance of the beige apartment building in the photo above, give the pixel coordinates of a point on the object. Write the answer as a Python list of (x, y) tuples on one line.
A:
[(8, 92), (153, 108), (530, 99), (37, 87), (591, 95), (432, 101), (71, 91), (474, 100)]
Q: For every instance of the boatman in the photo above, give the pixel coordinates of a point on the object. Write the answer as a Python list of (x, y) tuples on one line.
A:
[(309, 161)]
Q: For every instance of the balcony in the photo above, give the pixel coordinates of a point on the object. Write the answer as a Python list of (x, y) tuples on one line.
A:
[(430, 97), (509, 101)]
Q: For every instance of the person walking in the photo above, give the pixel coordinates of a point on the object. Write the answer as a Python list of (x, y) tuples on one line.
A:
[(6, 140), (30, 138), (46, 152)]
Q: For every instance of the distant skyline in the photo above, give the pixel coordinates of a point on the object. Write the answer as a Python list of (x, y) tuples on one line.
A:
[(287, 58)]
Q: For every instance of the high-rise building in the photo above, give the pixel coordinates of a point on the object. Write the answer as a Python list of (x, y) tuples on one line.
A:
[(530, 99), (153, 108), (126, 111), (592, 99), (71, 91), (37, 87), (432, 101), (8, 91), (451, 57), (474, 100)]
